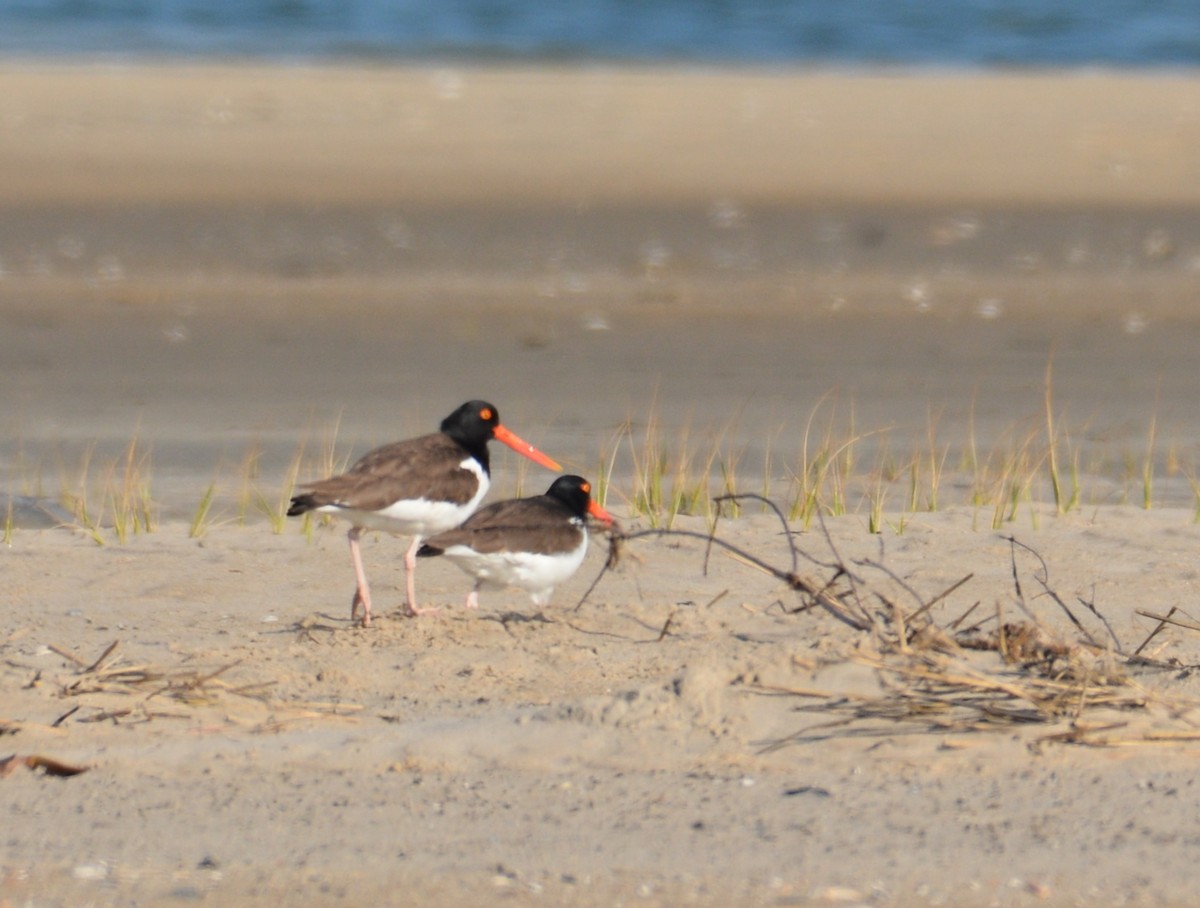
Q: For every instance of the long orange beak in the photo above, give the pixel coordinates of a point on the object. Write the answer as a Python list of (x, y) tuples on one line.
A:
[(599, 513), (523, 447)]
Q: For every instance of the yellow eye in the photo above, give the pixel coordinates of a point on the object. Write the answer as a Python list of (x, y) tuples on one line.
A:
[(485, 413)]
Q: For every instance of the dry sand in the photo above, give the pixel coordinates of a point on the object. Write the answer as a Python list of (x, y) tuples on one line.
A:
[(226, 259), (579, 756)]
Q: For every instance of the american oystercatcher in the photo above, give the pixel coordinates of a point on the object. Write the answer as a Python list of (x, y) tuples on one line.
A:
[(532, 543), (415, 488)]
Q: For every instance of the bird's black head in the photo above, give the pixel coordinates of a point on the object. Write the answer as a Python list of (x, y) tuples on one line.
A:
[(477, 422), (473, 424), (573, 491)]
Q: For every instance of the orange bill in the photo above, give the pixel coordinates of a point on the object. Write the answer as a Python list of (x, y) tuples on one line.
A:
[(599, 513), (523, 447)]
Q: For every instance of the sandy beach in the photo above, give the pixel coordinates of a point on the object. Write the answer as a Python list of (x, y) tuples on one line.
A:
[(256, 273)]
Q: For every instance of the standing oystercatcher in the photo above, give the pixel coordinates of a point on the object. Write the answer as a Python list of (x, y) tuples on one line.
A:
[(532, 543), (415, 488)]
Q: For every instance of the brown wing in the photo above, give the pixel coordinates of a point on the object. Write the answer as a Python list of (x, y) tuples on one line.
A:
[(538, 524), (426, 467)]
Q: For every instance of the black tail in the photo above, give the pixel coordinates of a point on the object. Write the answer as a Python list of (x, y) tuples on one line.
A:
[(428, 551), (301, 504)]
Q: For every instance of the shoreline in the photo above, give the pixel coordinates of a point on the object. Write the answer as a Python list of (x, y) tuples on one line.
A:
[(208, 255)]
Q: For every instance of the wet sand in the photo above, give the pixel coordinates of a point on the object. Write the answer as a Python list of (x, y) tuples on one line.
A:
[(227, 260), (218, 257)]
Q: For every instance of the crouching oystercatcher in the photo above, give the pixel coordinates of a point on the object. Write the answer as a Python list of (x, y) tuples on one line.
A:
[(532, 543)]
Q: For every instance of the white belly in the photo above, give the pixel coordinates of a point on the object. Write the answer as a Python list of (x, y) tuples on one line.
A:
[(535, 573)]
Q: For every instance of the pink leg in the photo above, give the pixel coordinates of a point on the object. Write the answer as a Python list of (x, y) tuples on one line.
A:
[(362, 594), (473, 597), (410, 578)]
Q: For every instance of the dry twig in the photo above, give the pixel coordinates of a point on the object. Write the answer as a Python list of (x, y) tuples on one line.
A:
[(939, 677)]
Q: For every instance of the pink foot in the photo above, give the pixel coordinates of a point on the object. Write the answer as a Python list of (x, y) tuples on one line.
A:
[(365, 602)]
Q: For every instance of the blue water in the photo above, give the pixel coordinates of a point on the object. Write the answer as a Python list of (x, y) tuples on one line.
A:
[(970, 33)]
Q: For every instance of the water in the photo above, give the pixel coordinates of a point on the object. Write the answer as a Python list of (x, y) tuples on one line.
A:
[(962, 33)]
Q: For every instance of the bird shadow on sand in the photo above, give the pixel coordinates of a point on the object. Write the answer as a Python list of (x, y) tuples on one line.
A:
[(504, 619)]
